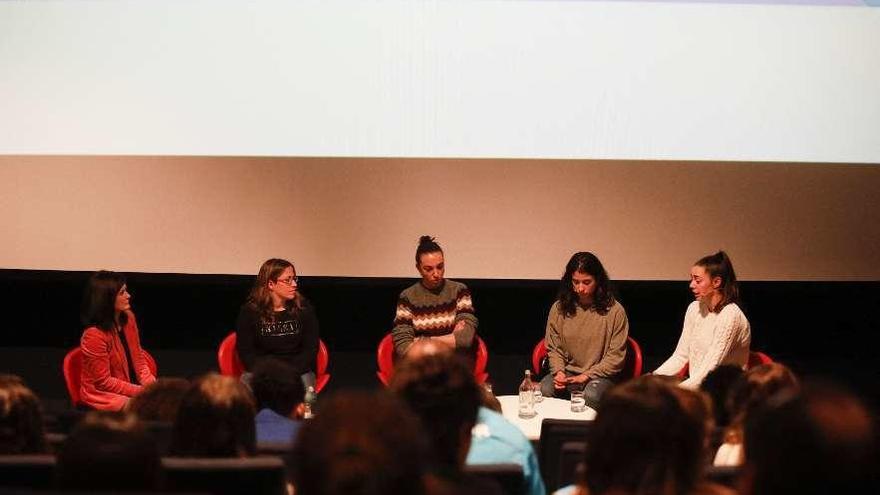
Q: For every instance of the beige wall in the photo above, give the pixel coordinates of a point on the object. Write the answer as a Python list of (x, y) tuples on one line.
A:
[(495, 218)]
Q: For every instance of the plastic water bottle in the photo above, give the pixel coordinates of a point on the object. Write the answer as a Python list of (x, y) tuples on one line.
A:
[(309, 402), (526, 397)]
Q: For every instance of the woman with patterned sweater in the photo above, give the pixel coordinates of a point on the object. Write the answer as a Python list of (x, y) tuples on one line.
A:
[(434, 308), (715, 329)]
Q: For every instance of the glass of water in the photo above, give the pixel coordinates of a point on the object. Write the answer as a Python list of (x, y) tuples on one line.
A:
[(578, 403), (536, 391)]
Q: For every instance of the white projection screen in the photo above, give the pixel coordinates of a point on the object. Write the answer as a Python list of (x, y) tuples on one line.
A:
[(206, 136)]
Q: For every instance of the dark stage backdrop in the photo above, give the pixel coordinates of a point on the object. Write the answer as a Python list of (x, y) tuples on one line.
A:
[(818, 328)]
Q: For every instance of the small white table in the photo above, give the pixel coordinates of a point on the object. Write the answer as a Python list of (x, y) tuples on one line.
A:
[(550, 407)]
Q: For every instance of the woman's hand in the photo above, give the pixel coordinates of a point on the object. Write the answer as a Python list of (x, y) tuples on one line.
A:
[(577, 379), (559, 380)]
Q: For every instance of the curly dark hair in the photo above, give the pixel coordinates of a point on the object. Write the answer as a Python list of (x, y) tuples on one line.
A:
[(588, 263)]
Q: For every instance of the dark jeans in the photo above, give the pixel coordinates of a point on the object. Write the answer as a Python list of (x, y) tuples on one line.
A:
[(593, 389)]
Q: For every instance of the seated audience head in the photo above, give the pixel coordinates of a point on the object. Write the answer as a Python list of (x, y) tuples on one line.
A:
[(584, 282), (643, 441), (275, 287), (105, 301), (215, 419), (440, 388), (160, 400), (753, 388), (430, 262), (713, 281), (21, 418), (344, 450), (698, 405), (109, 451), (717, 385), (277, 386), (819, 441)]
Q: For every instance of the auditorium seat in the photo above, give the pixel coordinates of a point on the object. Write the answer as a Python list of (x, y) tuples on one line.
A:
[(555, 433), (508, 476), (230, 364), (225, 476), (386, 357)]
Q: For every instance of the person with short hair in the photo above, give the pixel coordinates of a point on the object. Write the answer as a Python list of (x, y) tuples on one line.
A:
[(344, 450), (215, 419), (113, 365), (750, 392), (643, 442), (109, 451), (21, 418), (278, 321), (160, 400), (586, 332), (434, 307), (439, 387), (818, 441), (715, 329), (279, 394)]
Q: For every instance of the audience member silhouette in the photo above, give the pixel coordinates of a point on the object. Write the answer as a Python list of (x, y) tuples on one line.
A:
[(109, 451), (439, 387), (279, 394), (160, 401), (820, 441), (750, 391), (216, 419), (346, 449), (21, 418)]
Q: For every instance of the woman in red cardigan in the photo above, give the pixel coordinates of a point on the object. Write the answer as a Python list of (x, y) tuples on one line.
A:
[(113, 367)]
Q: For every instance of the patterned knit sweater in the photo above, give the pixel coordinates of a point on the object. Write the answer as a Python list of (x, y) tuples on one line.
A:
[(424, 312)]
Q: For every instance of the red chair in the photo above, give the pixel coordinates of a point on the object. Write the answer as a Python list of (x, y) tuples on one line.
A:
[(71, 368), (386, 357), (632, 364), (231, 365), (756, 358)]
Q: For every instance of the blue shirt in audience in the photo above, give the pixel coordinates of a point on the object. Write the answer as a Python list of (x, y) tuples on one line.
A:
[(497, 441), (274, 428)]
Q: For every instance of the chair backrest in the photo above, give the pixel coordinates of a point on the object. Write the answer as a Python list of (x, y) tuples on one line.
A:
[(221, 476), (571, 462), (508, 476), (27, 471), (385, 359), (724, 475), (554, 434), (230, 364), (227, 357), (71, 369), (632, 365)]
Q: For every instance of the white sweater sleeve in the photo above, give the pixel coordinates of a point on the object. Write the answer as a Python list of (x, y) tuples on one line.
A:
[(730, 325), (679, 357)]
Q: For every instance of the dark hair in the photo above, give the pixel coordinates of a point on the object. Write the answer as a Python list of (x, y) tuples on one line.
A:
[(21, 418), (819, 441), (643, 441), (109, 451), (754, 388), (215, 419), (160, 400), (426, 245), (441, 390), (99, 300), (717, 384), (344, 451), (259, 297), (276, 385), (587, 263), (719, 265)]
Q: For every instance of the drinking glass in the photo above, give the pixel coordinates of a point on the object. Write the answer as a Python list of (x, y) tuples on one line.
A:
[(578, 403)]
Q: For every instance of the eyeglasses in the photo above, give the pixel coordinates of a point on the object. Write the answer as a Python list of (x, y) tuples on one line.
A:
[(288, 281)]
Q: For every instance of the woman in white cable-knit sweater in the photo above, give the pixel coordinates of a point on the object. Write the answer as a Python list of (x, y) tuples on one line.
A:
[(715, 329)]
